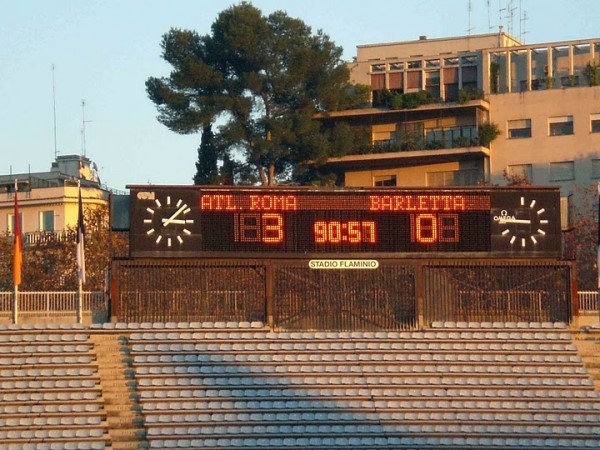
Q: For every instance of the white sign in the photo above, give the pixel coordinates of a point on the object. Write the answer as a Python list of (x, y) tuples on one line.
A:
[(343, 264)]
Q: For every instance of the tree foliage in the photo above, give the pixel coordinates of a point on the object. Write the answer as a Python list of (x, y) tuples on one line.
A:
[(50, 264), (579, 241), (262, 78), (207, 169)]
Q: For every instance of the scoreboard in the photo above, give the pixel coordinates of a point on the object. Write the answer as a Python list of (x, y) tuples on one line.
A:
[(196, 221)]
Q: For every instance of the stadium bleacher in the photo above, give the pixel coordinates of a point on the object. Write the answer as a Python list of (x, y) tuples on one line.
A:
[(229, 385), (50, 395)]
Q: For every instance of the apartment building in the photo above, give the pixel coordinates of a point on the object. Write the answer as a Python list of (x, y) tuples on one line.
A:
[(543, 98), (48, 201)]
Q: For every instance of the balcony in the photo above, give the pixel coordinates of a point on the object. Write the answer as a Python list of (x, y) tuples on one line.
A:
[(429, 139)]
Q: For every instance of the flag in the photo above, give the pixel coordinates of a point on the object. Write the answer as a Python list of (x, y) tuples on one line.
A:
[(18, 241), (598, 241), (80, 242)]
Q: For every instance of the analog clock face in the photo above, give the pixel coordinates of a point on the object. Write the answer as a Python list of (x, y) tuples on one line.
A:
[(168, 222), (522, 223)]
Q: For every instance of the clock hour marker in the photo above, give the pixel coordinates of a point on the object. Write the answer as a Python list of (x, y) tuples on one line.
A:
[(189, 220), (541, 211), (168, 242), (147, 220), (522, 201), (513, 239), (543, 222), (179, 202), (179, 239), (157, 201), (542, 232), (187, 210), (186, 231), (505, 232), (158, 239), (150, 231), (522, 242), (534, 240), (532, 204), (150, 210), (168, 199)]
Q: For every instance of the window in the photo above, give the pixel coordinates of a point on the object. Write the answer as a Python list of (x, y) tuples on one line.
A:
[(384, 180), (413, 80), (595, 168), (471, 59), (395, 80), (11, 222), (47, 221), (469, 77), (595, 123), (558, 126), (562, 171), (466, 177), (520, 172), (378, 82), (519, 128), (566, 212)]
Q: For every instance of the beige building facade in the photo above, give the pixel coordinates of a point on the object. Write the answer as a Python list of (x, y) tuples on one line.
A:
[(543, 98), (48, 201)]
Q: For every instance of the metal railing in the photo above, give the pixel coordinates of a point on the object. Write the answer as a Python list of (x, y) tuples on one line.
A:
[(588, 301), (57, 305), (54, 305)]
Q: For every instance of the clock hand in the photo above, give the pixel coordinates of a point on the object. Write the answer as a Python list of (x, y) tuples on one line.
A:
[(175, 214), (181, 221), (514, 221)]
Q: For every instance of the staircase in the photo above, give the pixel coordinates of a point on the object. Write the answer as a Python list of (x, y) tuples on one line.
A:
[(125, 425), (588, 347)]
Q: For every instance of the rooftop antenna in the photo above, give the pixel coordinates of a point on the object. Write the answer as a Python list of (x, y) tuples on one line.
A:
[(524, 18), (83, 122), (500, 9), (489, 19), (54, 110), (510, 16), (469, 9)]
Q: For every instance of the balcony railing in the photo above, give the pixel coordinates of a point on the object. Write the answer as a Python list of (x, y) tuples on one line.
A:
[(431, 139), (37, 237)]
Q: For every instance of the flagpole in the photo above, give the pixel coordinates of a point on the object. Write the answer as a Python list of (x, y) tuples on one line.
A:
[(80, 255), (598, 254), (80, 303), (15, 308), (17, 256)]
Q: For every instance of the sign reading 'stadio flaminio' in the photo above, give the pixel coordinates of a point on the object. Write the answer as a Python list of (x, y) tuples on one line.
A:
[(195, 221)]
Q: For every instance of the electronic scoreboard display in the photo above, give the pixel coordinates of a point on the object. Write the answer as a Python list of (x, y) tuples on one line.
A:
[(195, 221)]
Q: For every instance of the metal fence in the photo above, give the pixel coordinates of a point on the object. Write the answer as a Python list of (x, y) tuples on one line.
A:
[(287, 294), (344, 299), (527, 291), (54, 306), (188, 290)]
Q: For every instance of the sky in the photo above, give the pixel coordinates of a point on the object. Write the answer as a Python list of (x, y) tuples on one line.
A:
[(56, 55)]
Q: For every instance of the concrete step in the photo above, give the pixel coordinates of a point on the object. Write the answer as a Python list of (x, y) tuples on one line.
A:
[(134, 445)]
